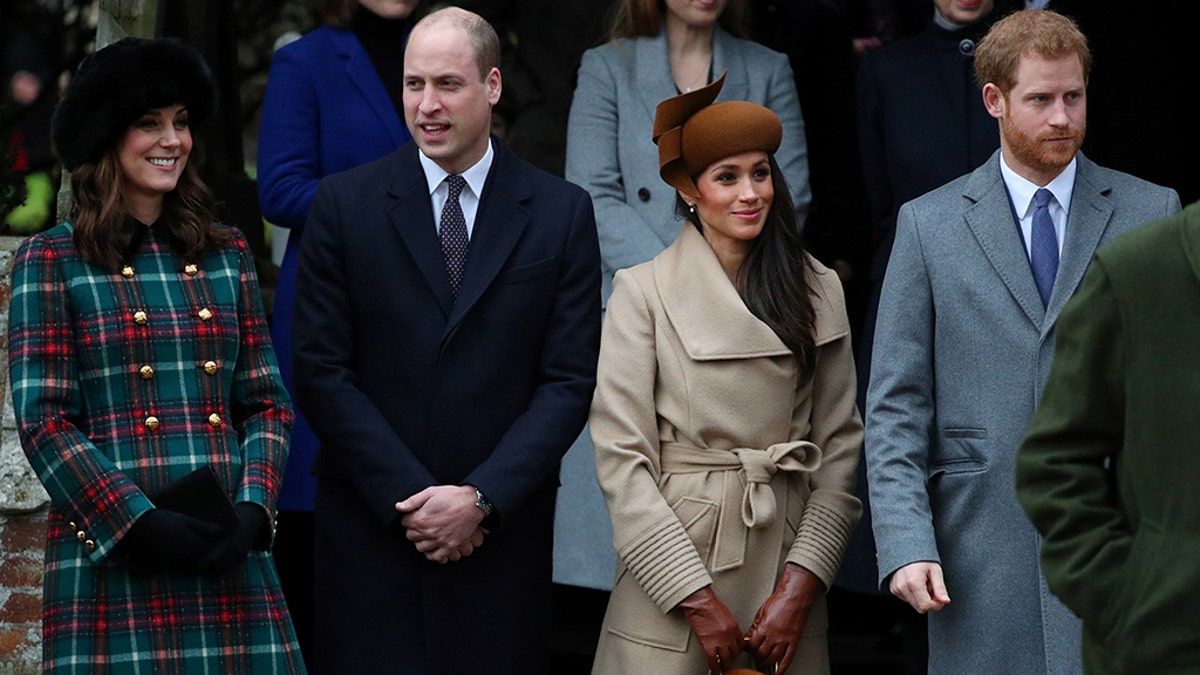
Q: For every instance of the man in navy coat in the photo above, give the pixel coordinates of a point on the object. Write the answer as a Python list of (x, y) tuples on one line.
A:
[(445, 369)]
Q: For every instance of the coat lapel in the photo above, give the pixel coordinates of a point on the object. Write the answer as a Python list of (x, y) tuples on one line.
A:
[(652, 72), (991, 222), (712, 321), (411, 214), (728, 59), (1091, 210), (361, 72), (501, 219)]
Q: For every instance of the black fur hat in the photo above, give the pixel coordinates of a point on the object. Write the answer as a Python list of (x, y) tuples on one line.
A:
[(116, 85)]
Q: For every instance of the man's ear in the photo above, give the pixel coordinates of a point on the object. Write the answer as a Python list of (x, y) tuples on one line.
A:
[(495, 86), (994, 101)]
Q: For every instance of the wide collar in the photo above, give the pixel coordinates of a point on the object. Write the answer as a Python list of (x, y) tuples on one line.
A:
[(990, 218), (652, 69), (710, 318), (361, 72), (502, 216)]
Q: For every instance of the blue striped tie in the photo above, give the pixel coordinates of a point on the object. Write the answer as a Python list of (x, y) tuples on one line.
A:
[(1043, 248)]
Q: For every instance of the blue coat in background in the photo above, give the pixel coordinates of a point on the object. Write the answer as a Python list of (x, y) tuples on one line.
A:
[(326, 110)]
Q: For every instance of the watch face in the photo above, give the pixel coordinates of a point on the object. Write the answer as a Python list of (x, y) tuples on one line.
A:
[(482, 502)]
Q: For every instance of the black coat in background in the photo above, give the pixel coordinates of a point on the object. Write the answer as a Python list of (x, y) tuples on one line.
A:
[(922, 123), (1144, 66), (408, 388), (542, 42)]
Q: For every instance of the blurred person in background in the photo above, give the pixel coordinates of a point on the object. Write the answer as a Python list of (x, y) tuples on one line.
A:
[(333, 102)]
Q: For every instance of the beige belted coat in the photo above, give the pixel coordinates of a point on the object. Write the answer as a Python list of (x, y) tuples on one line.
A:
[(717, 465)]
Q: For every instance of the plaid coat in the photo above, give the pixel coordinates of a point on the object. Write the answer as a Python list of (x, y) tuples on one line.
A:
[(123, 382)]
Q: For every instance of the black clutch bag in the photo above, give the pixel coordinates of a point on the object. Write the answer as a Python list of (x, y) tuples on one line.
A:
[(198, 494)]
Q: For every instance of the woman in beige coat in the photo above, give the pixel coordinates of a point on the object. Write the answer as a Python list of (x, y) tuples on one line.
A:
[(724, 421)]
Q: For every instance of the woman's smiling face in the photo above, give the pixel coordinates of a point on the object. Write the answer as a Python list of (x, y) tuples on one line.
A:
[(152, 155)]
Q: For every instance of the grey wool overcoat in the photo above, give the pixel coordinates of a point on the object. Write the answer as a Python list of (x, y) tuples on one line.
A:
[(719, 463), (962, 351)]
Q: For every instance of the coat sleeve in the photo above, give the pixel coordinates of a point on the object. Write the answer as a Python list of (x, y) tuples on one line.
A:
[(260, 406), (835, 426), (593, 162), (82, 482), (649, 538), (288, 139), (530, 452), (792, 155), (358, 437), (900, 407), (1062, 480)]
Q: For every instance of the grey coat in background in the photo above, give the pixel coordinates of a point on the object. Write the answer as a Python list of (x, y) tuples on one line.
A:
[(962, 351)]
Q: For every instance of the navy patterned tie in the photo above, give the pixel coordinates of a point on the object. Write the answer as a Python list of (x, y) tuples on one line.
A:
[(453, 233), (1043, 248)]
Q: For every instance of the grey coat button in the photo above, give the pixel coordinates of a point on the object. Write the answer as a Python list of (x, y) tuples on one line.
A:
[(643, 194)]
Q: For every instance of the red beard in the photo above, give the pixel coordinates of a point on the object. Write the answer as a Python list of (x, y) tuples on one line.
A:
[(1037, 152)]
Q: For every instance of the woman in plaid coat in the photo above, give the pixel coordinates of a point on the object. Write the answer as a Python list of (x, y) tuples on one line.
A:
[(139, 352)]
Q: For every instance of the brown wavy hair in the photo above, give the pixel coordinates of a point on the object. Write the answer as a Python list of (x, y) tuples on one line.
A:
[(644, 18), (103, 230)]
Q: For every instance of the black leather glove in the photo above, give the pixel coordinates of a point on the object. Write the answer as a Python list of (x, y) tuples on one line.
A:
[(229, 551), (163, 541), (714, 626), (780, 621)]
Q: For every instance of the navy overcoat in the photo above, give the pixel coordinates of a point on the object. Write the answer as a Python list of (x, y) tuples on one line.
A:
[(407, 387)]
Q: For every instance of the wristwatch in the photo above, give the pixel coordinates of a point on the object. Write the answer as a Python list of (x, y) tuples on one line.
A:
[(483, 503)]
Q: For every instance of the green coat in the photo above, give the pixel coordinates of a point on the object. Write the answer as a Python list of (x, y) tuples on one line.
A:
[(1108, 470), (80, 341)]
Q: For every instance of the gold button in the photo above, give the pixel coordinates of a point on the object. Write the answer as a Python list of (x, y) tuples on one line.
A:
[(152, 423), (205, 314), (190, 269), (140, 318), (80, 535), (147, 372), (127, 271), (210, 367), (214, 419), (89, 545), (73, 526)]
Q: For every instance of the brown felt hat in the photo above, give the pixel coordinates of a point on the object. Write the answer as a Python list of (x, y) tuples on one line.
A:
[(692, 132)]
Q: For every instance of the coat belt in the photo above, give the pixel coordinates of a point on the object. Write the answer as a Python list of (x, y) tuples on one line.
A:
[(758, 504)]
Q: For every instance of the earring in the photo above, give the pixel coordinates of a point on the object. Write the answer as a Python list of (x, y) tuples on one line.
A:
[(691, 207)]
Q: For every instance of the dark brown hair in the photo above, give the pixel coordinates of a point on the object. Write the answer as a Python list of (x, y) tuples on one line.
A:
[(773, 279), (103, 230), (1029, 31), (644, 18)]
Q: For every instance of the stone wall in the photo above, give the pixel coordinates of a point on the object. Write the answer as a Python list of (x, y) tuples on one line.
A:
[(23, 505)]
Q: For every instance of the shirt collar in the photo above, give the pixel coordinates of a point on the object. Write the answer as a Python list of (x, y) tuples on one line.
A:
[(475, 176), (1022, 190)]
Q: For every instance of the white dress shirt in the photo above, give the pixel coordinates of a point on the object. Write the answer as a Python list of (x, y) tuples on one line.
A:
[(439, 189), (1022, 191)]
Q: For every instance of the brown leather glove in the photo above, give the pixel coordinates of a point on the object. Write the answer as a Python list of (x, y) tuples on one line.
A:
[(777, 627), (714, 626)]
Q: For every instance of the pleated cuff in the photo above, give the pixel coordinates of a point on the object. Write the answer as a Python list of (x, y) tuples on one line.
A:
[(666, 564), (822, 538)]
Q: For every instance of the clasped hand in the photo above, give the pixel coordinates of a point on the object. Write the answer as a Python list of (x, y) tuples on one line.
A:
[(777, 626), (443, 522)]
